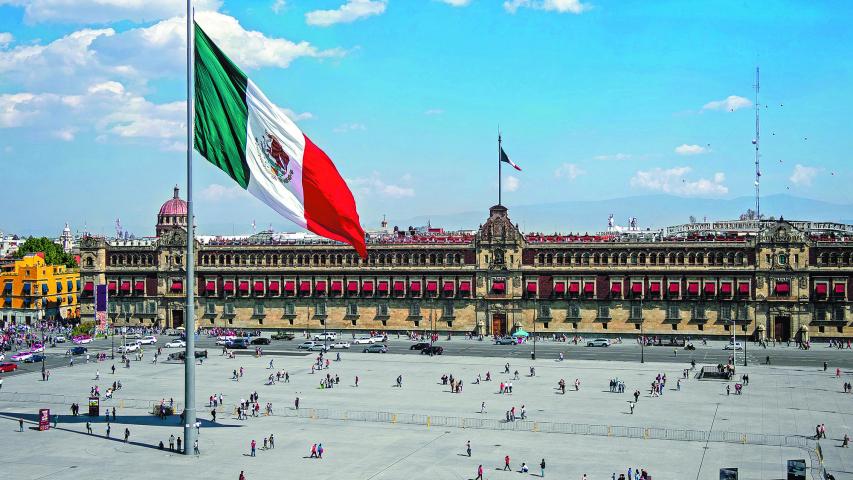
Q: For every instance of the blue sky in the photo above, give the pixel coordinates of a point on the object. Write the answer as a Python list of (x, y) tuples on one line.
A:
[(597, 99)]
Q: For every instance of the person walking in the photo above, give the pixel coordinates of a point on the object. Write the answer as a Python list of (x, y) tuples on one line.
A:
[(179, 445), (272, 441), (241, 477), (506, 463), (479, 473), (542, 468), (468, 447), (313, 451), (109, 429), (320, 450), (20, 424), (126, 435), (171, 443), (483, 407), (253, 445), (195, 447), (88, 428)]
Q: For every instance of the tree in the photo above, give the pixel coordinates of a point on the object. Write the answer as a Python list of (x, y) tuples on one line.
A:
[(692, 219), (53, 253)]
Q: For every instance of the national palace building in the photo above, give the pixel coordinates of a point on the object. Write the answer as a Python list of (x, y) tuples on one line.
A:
[(775, 278)]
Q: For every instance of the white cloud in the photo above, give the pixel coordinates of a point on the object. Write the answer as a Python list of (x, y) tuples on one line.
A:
[(615, 156), (560, 6), (728, 104), (569, 171), (349, 12), (675, 181), (220, 193), (803, 176), (104, 11), (5, 39), (64, 134), (685, 149), (457, 3), (278, 6), (511, 183), (298, 116), (434, 112), (374, 185), (350, 127)]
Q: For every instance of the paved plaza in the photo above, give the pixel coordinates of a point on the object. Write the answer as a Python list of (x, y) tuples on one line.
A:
[(378, 430)]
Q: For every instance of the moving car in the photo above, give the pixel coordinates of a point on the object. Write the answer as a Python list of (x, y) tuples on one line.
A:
[(182, 355), (733, 346), (598, 342), (176, 344), (37, 357), (37, 348), (8, 367), (432, 350), (222, 341), (340, 345), (78, 350), (60, 339), (318, 347), (149, 340), (240, 342), (362, 340), (419, 346), (283, 336), (133, 336), (325, 336), (505, 341), (376, 348), (380, 338), (260, 341), (82, 339), (21, 356), (130, 347), (305, 345)]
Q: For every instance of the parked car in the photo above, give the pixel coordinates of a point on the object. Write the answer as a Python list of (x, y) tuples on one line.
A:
[(21, 356), (319, 347), (8, 367), (149, 340), (362, 340), (78, 350), (222, 341), (305, 345), (380, 338), (340, 345), (419, 346), (133, 336), (35, 358), (128, 348), (733, 346), (240, 342), (325, 336), (82, 339), (376, 348), (182, 355), (598, 342), (505, 341), (60, 339), (260, 341), (176, 344), (283, 336), (432, 350)]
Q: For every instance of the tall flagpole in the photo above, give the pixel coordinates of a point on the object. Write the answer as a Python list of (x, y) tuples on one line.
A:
[(499, 166), (189, 316)]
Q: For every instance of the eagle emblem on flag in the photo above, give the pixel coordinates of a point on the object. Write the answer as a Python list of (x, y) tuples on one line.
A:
[(277, 159)]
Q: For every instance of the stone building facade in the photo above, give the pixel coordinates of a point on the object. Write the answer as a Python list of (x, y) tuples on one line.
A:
[(770, 278)]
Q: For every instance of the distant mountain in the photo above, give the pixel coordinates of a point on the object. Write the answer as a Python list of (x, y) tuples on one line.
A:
[(652, 211)]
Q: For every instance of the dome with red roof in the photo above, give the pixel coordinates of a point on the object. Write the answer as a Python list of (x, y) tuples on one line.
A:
[(173, 214), (174, 206)]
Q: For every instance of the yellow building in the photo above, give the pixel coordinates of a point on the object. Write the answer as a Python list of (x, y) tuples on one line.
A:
[(31, 290)]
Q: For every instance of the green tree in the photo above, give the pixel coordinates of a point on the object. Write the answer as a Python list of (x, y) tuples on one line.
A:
[(53, 254)]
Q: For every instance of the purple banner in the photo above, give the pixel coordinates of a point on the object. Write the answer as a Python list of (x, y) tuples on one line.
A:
[(101, 298)]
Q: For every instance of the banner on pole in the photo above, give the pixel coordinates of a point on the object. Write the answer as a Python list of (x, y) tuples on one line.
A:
[(101, 301), (44, 419)]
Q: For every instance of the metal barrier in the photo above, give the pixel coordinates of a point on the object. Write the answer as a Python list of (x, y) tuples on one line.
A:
[(51, 399)]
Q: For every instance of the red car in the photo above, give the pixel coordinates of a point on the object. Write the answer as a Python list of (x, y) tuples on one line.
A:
[(8, 367)]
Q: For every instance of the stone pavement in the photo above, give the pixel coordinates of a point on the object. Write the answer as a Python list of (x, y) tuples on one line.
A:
[(778, 401)]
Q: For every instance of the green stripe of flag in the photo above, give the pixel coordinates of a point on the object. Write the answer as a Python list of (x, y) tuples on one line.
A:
[(220, 109)]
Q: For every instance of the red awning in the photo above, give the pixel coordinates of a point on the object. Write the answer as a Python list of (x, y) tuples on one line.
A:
[(654, 287), (840, 288), (383, 286), (244, 286), (674, 287), (693, 288), (498, 286), (89, 287), (743, 288), (432, 286), (140, 286), (616, 287), (352, 286), (710, 288), (465, 286), (320, 286), (559, 288), (337, 286), (111, 286), (289, 286), (414, 286), (177, 286), (228, 286), (259, 286), (726, 288), (531, 287), (820, 288), (588, 288), (367, 286), (305, 286), (125, 286), (636, 287), (274, 286), (574, 287), (210, 286), (783, 288), (448, 287)]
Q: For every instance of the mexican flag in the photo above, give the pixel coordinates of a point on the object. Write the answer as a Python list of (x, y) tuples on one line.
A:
[(238, 129)]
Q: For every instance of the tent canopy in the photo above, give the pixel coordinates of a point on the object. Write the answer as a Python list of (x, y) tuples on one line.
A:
[(520, 333)]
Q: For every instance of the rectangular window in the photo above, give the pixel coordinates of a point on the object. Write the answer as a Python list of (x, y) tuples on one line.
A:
[(382, 310), (743, 312), (699, 312), (320, 309), (289, 308), (229, 309), (672, 312), (415, 311), (352, 309), (839, 313), (820, 314), (603, 311), (259, 309), (544, 311), (725, 313), (574, 311), (636, 312), (210, 308), (447, 310)]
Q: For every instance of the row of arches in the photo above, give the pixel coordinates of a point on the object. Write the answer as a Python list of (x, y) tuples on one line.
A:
[(642, 258), (330, 259)]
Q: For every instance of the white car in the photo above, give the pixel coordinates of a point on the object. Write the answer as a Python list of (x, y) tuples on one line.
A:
[(149, 340), (133, 336), (130, 347), (325, 336), (176, 344), (306, 345), (340, 345), (22, 356), (733, 346), (598, 342), (60, 339), (363, 340), (379, 338), (221, 342), (319, 347)]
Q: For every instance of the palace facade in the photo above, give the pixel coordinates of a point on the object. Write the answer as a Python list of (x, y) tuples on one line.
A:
[(774, 278)]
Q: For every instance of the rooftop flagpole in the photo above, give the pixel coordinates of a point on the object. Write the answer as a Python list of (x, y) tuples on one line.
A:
[(189, 312), (499, 166)]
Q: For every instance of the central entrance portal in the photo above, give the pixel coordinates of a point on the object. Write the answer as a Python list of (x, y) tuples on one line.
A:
[(782, 328), (499, 324), (177, 318)]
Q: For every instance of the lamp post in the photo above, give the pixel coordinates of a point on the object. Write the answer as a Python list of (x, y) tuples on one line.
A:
[(535, 312), (642, 337)]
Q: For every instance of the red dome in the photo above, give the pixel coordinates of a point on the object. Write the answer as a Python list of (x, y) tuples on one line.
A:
[(174, 206)]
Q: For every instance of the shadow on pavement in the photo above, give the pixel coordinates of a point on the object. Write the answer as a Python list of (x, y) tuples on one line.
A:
[(146, 420)]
